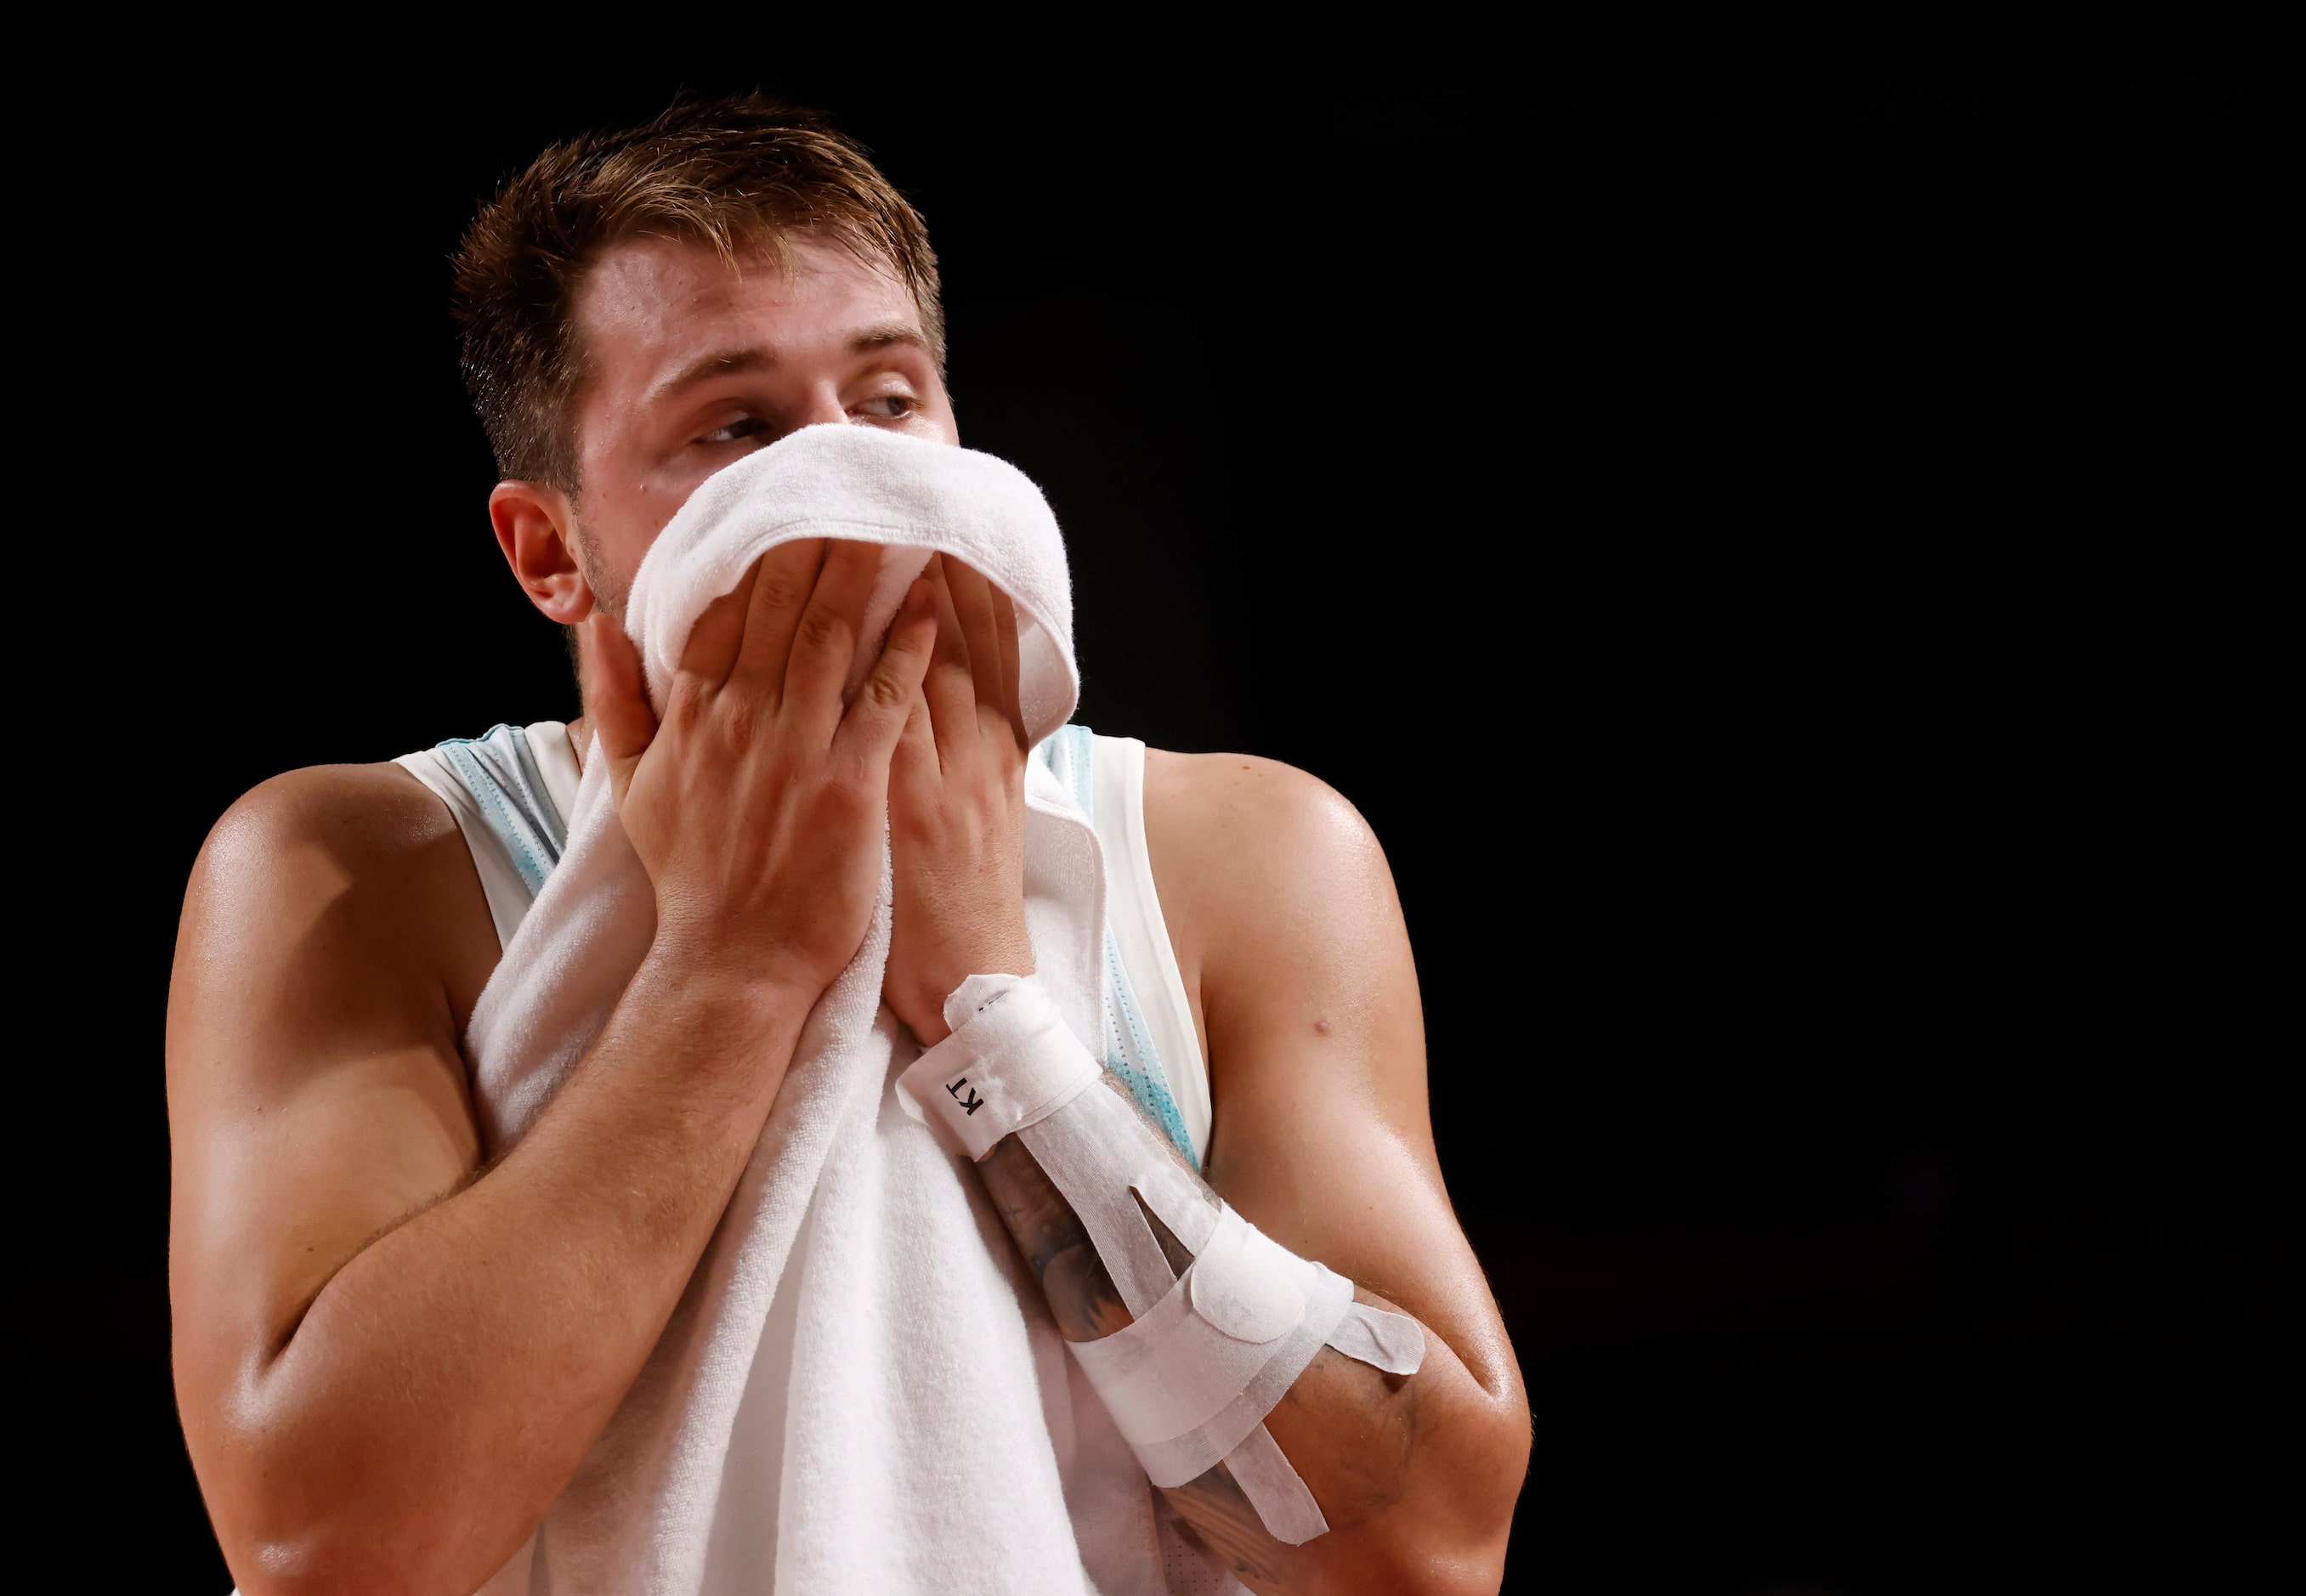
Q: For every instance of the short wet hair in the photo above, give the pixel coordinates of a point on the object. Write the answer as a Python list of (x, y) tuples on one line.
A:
[(735, 174)]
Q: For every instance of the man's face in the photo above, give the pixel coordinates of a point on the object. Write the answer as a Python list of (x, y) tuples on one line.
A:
[(690, 365)]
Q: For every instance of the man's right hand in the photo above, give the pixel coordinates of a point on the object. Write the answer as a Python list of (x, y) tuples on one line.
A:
[(758, 805)]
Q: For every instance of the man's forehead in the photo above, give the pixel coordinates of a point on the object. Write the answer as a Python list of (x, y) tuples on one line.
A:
[(650, 307)]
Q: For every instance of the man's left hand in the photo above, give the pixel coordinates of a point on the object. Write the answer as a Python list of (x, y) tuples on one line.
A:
[(957, 809)]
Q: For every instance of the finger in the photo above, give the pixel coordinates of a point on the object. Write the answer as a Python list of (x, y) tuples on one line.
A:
[(711, 646), (787, 576), (972, 601), (949, 689), (884, 704), (913, 769), (824, 640), (616, 699), (1005, 617)]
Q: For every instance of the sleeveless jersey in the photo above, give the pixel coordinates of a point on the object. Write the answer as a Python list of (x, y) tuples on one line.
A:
[(512, 791)]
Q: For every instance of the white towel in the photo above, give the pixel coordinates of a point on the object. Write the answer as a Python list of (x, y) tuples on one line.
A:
[(862, 1389)]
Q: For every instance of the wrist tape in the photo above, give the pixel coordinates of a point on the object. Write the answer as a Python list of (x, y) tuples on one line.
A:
[(1211, 1351)]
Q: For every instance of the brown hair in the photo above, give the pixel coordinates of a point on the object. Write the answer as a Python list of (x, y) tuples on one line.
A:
[(732, 173)]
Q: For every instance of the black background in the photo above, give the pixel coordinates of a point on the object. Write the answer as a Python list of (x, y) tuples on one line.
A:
[(1779, 535)]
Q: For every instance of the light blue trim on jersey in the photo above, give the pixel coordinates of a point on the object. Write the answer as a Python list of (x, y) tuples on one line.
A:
[(1129, 1051), (500, 771), (1068, 751), (1131, 1056)]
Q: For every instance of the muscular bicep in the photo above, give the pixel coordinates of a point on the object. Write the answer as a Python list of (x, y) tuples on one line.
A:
[(315, 1091), (1321, 1133)]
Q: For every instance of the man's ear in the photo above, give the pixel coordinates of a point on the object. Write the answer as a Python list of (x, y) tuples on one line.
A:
[(536, 528)]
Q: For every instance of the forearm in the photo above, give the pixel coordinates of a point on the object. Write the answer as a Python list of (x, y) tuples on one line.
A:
[(1406, 1469), (443, 1386)]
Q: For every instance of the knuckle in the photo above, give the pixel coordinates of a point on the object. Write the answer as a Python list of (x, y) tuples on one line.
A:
[(778, 589), (820, 629), (884, 692), (738, 729), (846, 795)]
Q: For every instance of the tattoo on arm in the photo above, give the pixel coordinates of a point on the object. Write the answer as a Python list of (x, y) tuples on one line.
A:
[(1221, 1518), (1359, 1483), (1086, 1303)]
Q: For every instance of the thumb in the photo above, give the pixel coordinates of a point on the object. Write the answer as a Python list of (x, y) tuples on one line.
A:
[(616, 698)]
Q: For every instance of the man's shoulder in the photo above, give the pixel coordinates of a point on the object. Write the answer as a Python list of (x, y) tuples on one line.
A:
[(1240, 841), (363, 857), (358, 816), (1232, 799)]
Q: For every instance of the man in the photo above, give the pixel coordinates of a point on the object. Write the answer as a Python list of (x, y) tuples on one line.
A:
[(395, 1344)]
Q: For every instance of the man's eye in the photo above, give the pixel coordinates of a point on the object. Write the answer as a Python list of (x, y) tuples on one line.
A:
[(889, 406), (743, 428)]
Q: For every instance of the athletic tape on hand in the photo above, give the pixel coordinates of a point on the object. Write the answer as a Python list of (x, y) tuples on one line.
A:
[(1209, 1353), (1009, 1063)]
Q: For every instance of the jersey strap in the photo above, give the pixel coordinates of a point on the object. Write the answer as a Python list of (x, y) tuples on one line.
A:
[(1130, 1055)]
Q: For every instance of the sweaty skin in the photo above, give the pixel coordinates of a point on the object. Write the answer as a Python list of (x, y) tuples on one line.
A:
[(394, 1343)]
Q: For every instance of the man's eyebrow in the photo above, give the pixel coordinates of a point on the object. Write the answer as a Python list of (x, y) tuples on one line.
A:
[(886, 334), (736, 362), (726, 363)]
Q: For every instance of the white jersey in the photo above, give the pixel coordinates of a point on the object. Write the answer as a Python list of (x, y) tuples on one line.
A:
[(511, 792)]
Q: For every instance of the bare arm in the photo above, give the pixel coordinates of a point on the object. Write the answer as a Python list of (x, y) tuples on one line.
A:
[(1417, 1476), (390, 1356), (387, 1373), (1292, 943), (1291, 939)]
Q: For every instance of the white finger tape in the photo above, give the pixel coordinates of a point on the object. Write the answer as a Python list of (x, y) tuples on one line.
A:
[(1010, 1062)]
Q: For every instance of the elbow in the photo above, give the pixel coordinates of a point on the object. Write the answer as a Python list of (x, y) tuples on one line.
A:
[(289, 1565), (293, 1564), (299, 1507), (1430, 1561), (1454, 1544), (1453, 1560), (1460, 1573), (342, 1541), (326, 1561), (1500, 1469), (295, 1514), (305, 1560)]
